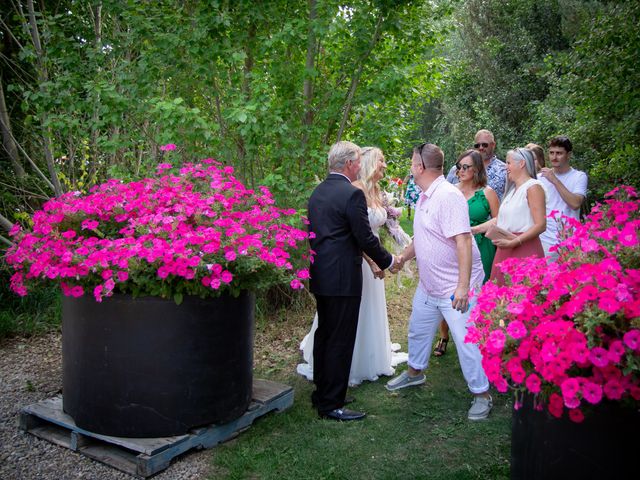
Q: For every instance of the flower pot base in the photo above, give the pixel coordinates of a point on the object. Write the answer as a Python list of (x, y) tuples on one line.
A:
[(602, 446), (147, 367), (146, 456)]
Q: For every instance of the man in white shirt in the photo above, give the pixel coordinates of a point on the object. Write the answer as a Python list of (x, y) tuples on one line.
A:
[(566, 189)]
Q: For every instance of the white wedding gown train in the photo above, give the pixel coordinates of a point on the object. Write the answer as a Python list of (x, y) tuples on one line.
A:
[(373, 353)]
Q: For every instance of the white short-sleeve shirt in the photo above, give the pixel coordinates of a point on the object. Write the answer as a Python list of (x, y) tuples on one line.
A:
[(576, 182), (514, 214)]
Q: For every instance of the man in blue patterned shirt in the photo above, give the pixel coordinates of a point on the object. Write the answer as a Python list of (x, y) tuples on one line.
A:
[(496, 168)]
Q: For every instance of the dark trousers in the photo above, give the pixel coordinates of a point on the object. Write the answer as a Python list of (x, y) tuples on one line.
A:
[(333, 349)]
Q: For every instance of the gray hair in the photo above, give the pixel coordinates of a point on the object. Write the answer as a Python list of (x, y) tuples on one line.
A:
[(340, 152), (522, 155)]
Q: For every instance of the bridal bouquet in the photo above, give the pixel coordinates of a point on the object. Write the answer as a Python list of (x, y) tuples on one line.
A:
[(568, 332), (194, 230)]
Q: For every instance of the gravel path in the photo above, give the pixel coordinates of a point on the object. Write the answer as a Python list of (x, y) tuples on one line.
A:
[(30, 371)]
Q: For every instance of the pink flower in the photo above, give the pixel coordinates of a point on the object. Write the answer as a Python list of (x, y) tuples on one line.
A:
[(97, 293), (77, 291), (303, 274), (616, 351), (556, 405), (592, 392), (514, 367), (613, 389), (570, 387), (571, 402), (90, 224), (106, 274), (168, 147), (533, 383), (632, 339), (516, 329), (629, 235), (598, 357), (496, 340), (296, 284), (608, 303), (576, 415)]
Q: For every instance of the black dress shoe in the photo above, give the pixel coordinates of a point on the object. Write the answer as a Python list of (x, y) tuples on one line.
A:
[(343, 415)]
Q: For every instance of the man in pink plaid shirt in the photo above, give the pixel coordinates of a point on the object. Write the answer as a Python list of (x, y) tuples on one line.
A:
[(449, 267)]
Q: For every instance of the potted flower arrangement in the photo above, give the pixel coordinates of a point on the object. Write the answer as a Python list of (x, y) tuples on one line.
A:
[(158, 276), (565, 337)]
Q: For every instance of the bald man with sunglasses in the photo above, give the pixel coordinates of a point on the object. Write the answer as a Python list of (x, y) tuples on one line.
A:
[(496, 168)]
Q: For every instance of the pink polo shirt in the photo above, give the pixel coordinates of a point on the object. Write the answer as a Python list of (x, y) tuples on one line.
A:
[(440, 214)]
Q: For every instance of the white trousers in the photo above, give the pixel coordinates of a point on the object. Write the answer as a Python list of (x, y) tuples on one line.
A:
[(426, 315), (552, 256)]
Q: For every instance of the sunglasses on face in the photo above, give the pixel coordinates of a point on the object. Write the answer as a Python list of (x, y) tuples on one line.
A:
[(478, 145), (464, 168), (419, 150)]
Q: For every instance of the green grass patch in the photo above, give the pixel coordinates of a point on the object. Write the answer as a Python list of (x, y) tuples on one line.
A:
[(407, 223), (36, 313), (420, 432)]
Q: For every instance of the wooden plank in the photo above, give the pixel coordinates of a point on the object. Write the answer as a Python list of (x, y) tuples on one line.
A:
[(112, 455), (265, 390), (143, 457), (51, 411), (53, 434)]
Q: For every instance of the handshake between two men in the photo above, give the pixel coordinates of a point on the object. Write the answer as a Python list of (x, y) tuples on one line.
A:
[(396, 266)]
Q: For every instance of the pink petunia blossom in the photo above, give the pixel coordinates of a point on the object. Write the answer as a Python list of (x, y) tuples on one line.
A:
[(598, 356), (592, 392), (303, 274), (533, 383), (516, 329), (632, 339), (613, 389), (556, 405), (576, 415)]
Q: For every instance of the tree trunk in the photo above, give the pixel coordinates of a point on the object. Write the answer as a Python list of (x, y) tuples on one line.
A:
[(5, 222), (246, 90), (356, 77), (42, 78), (97, 28), (307, 89), (7, 136)]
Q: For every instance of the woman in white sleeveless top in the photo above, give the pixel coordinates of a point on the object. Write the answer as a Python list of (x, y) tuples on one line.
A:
[(522, 212), (373, 352)]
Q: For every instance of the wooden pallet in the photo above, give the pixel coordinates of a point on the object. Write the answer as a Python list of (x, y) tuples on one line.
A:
[(143, 457)]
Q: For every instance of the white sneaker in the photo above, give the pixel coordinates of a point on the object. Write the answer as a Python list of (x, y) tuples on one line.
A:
[(405, 380), (480, 407)]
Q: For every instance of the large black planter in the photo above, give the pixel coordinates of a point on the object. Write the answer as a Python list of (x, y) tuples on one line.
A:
[(603, 446), (147, 367)]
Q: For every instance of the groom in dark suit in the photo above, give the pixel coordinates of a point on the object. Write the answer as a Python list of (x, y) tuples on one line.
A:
[(338, 218)]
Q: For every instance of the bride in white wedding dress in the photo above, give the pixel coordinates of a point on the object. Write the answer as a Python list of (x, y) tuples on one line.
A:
[(373, 353)]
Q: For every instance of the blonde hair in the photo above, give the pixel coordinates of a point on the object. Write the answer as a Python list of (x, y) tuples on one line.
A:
[(368, 170), (538, 152)]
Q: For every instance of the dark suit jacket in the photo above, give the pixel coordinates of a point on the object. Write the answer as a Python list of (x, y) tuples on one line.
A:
[(338, 217)]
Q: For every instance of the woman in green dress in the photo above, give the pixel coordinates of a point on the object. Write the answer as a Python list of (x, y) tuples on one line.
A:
[(483, 205)]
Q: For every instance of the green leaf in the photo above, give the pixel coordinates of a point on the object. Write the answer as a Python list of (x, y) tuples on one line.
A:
[(177, 297)]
